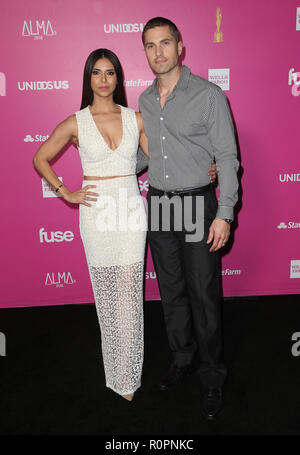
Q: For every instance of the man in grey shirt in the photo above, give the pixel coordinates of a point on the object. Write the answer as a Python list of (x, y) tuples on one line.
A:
[(188, 124)]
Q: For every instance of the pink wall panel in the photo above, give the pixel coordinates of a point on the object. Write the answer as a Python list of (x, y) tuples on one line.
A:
[(44, 45)]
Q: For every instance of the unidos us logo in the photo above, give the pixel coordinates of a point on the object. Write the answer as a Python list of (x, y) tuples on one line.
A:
[(43, 85), (286, 178), (38, 29), (123, 28)]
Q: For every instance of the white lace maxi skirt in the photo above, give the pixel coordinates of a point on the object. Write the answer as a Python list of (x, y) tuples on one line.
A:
[(113, 233)]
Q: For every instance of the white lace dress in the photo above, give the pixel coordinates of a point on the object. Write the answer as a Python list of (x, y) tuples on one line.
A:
[(113, 233)]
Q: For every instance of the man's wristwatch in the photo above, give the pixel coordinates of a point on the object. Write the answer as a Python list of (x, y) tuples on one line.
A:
[(228, 220)]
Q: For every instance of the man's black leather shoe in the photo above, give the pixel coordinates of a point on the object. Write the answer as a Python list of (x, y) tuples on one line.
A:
[(174, 376), (212, 403)]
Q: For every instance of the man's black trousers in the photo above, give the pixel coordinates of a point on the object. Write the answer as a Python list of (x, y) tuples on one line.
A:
[(188, 277)]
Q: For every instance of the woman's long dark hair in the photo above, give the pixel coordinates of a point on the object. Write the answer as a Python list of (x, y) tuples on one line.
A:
[(119, 96)]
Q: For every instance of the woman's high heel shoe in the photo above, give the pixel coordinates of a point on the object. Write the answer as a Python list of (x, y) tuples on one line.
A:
[(128, 397)]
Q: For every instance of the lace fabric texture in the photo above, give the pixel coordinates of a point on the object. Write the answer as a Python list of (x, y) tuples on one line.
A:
[(118, 294), (113, 232)]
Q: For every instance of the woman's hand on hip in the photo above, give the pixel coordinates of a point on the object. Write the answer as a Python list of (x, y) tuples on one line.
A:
[(81, 196)]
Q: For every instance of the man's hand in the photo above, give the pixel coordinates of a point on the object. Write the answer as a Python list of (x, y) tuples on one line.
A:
[(219, 233), (212, 172)]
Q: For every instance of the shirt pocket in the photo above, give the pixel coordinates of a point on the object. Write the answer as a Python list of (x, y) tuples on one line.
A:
[(193, 129)]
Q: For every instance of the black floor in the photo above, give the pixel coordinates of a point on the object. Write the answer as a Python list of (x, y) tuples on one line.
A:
[(52, 379)]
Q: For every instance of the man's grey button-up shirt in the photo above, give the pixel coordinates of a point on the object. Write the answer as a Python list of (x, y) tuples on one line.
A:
[(192, 129)]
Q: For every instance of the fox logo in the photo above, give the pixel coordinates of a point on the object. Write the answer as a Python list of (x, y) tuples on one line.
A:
[(2, 84)]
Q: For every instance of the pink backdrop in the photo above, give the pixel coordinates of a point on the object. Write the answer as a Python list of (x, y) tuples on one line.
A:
[(44, 46)]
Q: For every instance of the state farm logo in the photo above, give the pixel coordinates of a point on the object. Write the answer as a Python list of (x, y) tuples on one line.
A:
[(2, 84), (295, 269), (43, 85), (57, 236), (59, 279), (138, 83), (48, 191), (123, 28), (220, 77), (285, 178), (144, 186), (36, 138), (38, 29), (298, 18), (290, 225), (294, 80), (229, 272), (150, 275)]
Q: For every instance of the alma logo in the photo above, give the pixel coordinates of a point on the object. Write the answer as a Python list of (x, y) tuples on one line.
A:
[(43, 85), (37, 138), (59, 279), (57, 236), (38, 29), (123, 28), (2, 84)]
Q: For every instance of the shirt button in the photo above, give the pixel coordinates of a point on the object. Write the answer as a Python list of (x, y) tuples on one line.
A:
[(167, 176), (157, 99), (161, 118), (163, 138), (165, 157)]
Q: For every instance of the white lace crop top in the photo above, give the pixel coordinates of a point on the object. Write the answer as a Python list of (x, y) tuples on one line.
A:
[(97, 158)]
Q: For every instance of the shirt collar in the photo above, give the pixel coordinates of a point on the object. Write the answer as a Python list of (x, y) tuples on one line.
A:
[(182, 82)]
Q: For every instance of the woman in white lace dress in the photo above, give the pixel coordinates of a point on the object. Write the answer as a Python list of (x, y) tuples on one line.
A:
[(112, 215)]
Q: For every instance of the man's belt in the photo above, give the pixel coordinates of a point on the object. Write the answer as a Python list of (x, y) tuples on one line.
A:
[(182, 193)]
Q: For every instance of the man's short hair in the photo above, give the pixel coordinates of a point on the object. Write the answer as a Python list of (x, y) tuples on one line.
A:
[(160, 22)]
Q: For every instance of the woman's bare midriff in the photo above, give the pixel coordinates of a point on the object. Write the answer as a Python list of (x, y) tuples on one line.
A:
[(105, 178)]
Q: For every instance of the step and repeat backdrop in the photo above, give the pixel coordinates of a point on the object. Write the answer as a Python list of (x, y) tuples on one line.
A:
[(250, 49)]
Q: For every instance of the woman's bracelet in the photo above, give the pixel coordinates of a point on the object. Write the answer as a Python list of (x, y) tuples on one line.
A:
[(58, 187)]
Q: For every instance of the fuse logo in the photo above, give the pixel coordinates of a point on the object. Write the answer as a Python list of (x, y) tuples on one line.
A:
[(2, 84), (294, 80), (57, 236)]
